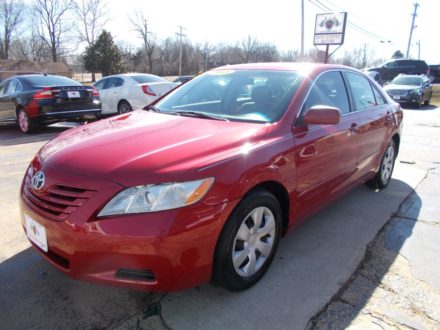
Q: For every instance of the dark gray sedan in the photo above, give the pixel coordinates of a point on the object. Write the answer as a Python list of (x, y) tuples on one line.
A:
[(415, 89)]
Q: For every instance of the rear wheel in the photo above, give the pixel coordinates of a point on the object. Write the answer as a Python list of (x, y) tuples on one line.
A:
[(124, 107), (383, 176), (26, 124), (248, 242)]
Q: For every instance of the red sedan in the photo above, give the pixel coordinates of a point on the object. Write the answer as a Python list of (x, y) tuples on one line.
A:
[(201, 185)]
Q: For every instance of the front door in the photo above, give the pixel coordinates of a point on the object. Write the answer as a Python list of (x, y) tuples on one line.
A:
[(326, 155)]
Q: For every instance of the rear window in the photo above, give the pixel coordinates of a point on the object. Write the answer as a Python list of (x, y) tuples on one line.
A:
[(143, 79), (48, 81)]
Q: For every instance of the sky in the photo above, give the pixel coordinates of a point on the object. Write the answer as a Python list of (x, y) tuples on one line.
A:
[(385, 23)]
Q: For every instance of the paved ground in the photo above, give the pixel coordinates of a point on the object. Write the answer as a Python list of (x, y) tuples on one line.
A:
[(368, 260)]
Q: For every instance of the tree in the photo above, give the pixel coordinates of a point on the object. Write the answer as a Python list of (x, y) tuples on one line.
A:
[(11, 16), (248, 49), (92, 15), (51, 14), (103, 56), (140, 24), (397, 54)]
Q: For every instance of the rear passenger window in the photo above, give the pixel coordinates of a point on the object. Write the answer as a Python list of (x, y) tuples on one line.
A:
[(329, 90), (379, 98), (361, 91)]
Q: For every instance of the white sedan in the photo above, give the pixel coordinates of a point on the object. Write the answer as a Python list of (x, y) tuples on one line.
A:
[(122, 93)]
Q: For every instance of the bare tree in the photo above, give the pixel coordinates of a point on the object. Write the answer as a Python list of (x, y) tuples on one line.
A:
[(206, 49), (93, 16), (30, 48), (140, 23), (53, 27), (248, 49), (11, 16)]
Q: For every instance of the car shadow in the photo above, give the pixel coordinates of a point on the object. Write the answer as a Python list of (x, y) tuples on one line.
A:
[(10, 135), (313, 264), (34, 295)]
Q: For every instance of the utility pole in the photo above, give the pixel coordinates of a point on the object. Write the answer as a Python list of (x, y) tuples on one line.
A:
[(180, 34), (418, 44), (416, 5), (302, 30)]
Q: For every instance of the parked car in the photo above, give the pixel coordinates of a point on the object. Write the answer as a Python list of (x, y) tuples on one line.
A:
[(434, 72), (392, 69), (182, 79), (40, 99), (410, 89), (374, 75), (202, 184), (122, 93)]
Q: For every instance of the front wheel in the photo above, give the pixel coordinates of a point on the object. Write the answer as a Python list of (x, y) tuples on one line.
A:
[(248, 242), (383, 176)]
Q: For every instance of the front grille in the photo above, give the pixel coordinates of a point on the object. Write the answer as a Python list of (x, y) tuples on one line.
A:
[(58, 201), (397, 92)]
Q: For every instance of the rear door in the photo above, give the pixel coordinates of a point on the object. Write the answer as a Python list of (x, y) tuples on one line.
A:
[(101, 86), (113, 93), (326, 155), (375, 120)]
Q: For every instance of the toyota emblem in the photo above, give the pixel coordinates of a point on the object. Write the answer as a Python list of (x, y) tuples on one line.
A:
[(38, 180)]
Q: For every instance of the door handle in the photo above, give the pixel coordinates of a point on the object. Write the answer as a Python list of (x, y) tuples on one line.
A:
[(354, 128)]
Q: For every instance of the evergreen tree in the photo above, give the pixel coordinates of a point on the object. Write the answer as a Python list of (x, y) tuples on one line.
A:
[(103, 56)]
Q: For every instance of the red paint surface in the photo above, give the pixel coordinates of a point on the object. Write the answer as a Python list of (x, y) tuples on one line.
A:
[(313, 164)]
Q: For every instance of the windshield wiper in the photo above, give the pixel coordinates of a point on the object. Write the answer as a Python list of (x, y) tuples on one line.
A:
[(201, 115), (152, 108)]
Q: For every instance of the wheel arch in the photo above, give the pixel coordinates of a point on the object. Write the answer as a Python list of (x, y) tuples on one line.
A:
[(281, 194)]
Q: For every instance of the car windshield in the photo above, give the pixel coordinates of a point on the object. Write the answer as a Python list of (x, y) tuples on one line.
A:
[(240, 95), (412, 81), (146, 78), (50, 81)]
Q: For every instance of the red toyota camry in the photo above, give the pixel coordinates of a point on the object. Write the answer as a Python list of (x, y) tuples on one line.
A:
[(201, 185)]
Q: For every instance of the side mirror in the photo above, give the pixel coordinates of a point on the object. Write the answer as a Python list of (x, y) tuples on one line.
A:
[(322, 115)]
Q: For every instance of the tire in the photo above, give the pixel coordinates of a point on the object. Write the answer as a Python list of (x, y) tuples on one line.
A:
[(428, 101), (383, 176), (419, 102), (25, 124), (243, 253), (124, 107)]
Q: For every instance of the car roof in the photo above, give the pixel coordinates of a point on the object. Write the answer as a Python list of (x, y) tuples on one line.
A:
[(306, 68)]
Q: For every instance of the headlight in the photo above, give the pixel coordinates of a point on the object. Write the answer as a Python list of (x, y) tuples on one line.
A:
[(157, 197), (417, 91)]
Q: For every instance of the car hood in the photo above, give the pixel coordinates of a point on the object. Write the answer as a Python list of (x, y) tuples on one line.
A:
[(146, 147), (400, 87)]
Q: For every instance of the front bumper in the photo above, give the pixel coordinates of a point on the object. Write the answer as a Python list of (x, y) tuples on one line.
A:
[(162, 251), (408, 98)]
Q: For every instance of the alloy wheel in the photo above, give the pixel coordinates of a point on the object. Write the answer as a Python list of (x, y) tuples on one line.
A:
[(23, 120)]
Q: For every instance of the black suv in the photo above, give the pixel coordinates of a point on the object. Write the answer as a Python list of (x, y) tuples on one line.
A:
[(392, 69)]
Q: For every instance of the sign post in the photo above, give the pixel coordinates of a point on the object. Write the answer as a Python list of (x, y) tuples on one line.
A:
[(329, 30)]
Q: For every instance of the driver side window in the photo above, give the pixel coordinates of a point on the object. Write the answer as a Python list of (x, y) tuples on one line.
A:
[(329, 90)]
